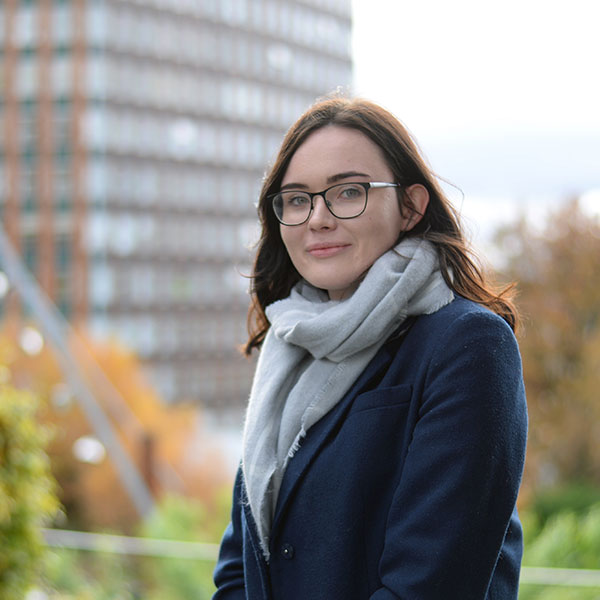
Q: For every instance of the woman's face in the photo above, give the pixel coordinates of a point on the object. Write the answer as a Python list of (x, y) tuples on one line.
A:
[(330, 253)]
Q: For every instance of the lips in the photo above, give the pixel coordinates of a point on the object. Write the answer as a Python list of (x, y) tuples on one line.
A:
[(325, 250)]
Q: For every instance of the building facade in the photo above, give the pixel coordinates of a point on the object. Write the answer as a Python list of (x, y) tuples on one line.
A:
[(135, 135)]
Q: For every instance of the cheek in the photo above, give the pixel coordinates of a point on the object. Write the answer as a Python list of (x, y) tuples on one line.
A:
[(385, 228), (394, 223), (290, 239)]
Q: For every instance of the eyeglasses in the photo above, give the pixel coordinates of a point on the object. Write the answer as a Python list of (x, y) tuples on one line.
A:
[(344, 201)]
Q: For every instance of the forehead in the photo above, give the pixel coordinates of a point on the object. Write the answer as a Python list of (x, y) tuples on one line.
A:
[(333, 149)]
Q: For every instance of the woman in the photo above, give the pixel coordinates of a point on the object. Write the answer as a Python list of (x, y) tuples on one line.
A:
[(385, 434)]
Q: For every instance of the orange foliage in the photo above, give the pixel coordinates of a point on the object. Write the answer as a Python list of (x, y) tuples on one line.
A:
[(558, 276), (165, 442)]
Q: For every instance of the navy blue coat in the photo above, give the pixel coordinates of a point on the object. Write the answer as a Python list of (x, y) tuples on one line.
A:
[(407, 488)]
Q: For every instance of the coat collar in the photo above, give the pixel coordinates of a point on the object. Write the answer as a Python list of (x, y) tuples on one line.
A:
[(312, 443), (319, 433)]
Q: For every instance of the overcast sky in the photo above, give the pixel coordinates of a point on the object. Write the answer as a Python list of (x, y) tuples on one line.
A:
[(473, 66), (504, 98)]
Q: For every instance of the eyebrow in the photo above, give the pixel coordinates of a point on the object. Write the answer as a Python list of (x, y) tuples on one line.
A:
[(332, 179)]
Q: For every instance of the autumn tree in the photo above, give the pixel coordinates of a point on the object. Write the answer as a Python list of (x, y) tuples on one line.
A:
[(27, 498), (557, 268), (163, 441)]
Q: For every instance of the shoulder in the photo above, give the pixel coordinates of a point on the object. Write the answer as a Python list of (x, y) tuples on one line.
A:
[(462, 309), (466, 357), (462, 317), (470, 347), (462, 333)]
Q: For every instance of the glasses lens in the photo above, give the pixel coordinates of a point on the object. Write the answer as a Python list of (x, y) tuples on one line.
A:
[(346, 200), (292, 208)]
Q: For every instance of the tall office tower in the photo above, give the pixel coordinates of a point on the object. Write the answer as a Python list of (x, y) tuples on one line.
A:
[(135, 135)]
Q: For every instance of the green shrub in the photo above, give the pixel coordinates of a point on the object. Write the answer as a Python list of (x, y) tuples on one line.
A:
[(558, 593), (575, 497), (85, 575), (568, 540), (187, 520), (27, 498)]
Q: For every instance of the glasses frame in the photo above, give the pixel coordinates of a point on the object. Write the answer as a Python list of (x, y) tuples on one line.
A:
[(367, 185)]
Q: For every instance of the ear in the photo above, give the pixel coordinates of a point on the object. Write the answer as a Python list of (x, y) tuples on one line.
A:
[(416, 199)]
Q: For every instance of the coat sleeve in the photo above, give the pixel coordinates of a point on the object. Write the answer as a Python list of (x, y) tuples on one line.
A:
[(229, 572), (453, 504)]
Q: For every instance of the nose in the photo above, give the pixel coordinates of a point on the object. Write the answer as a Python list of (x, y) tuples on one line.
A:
[(321, 217)]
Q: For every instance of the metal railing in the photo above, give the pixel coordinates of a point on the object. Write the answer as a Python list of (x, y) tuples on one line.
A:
[(552, 576), (120, 544)]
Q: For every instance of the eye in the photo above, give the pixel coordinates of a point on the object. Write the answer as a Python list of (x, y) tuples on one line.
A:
[(296, 199), (350, 192)]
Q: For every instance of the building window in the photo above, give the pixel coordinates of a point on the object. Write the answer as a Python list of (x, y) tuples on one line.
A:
[(257, 58), (30, 252), (102, 285), (243, 148), (96, 76), (63, 256), (63, 253), (243, 55), (28, 134), (24, 34), (27, 188), (142, 285), (61, 23), (62, 187), (27, 76), (62, 74), (62, 128), (96, 24), (97, 180), (64, 203)]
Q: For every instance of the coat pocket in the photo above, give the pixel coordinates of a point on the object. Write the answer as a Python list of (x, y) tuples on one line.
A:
[(386, 397)]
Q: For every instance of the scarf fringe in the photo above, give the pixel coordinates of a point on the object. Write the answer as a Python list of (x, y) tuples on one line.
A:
[(295, 445)]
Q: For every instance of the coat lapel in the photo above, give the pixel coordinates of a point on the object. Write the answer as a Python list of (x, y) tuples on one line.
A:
[(320, 431)]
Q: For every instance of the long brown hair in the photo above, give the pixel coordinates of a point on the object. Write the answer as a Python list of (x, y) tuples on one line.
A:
[(274, 274)]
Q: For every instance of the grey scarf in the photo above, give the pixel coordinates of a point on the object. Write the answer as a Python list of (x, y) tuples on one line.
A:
[(314, 351)]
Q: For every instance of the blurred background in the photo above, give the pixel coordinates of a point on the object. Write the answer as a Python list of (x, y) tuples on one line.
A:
[(134, 135)]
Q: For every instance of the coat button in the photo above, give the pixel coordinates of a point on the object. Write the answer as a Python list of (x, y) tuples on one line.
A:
[(287, 551)]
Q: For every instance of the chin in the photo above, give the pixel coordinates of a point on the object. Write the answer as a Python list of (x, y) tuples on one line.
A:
[(332, 286)]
